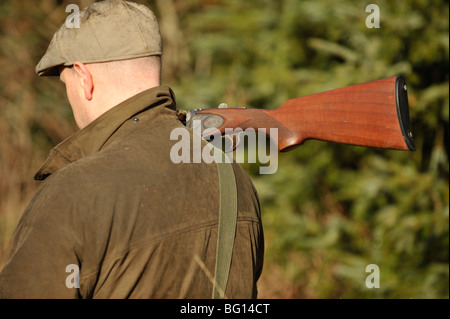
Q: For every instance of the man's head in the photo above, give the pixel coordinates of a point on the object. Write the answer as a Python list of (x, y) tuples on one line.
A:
[(94, 88), (114, 54)]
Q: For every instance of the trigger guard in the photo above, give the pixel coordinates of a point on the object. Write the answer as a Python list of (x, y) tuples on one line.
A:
[(238, 140), (232, 145)]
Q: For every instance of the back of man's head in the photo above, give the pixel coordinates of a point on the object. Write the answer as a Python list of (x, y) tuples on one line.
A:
[(113, 54), (132, 74)]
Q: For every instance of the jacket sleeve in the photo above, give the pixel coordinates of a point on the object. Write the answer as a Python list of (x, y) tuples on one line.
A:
[(43, 260)]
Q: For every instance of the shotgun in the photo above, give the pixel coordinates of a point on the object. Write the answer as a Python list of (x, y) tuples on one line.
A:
[(372, 114)]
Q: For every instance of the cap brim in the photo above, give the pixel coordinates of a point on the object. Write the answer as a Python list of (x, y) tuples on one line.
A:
[(53, 71)]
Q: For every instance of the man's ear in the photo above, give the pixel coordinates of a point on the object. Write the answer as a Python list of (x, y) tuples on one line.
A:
[(85, 78)]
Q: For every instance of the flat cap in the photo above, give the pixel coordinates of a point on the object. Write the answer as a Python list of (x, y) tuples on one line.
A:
[(109, 30)]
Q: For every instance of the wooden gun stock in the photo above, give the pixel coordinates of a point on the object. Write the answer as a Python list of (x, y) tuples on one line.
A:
[(372, 114)]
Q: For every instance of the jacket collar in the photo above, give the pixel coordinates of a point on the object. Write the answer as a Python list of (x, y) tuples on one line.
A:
[(92, 138)]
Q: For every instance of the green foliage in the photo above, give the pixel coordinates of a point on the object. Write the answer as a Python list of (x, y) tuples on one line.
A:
[(330, 210)]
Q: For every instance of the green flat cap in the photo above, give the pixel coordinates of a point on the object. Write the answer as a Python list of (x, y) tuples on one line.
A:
[(109, 30)]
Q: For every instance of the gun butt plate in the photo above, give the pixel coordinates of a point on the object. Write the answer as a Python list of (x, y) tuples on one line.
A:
[(401, 98)]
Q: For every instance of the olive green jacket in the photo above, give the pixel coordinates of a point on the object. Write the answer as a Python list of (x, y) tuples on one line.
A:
[(115, 207)]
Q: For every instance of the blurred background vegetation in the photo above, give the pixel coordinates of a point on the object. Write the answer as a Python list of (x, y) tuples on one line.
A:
[(331, 209)]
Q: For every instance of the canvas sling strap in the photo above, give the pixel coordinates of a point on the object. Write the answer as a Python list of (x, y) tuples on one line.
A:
[(227, 224)]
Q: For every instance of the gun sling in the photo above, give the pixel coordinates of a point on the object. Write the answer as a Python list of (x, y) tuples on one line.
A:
[(227, 225)]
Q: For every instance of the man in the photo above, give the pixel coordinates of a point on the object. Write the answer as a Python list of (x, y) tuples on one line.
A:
[(114, 217)]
